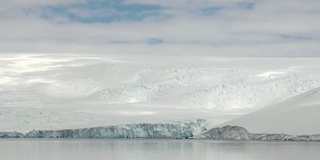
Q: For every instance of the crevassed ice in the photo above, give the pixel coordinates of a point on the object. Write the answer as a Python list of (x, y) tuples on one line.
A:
[(141, 130)]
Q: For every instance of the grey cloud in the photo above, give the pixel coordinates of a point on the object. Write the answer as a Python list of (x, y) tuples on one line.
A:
[(270, 28)]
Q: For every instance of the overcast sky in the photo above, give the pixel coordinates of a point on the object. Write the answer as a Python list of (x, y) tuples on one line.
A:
[(216, 27)]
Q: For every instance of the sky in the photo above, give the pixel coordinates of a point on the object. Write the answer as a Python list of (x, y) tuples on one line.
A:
[(286, 28)]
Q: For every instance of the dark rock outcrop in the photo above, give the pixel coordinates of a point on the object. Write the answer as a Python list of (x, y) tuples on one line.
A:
[(240, 133), (226, 133)]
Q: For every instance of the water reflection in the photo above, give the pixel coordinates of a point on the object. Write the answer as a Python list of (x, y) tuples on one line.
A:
[(159, 149)]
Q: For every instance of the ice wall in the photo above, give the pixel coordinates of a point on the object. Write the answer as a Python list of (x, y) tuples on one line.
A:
[(176, 130), (142, 130)]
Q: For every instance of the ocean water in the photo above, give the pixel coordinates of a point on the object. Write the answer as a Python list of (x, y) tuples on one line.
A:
[(154, 149)]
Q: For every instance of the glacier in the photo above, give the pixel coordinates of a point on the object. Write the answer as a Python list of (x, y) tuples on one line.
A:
[(174, 130), (86, 91), (171, 130)]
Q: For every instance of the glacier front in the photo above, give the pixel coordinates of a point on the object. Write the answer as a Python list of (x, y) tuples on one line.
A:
[(175, 130)]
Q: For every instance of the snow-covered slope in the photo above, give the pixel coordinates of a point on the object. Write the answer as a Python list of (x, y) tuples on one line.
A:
[(50, 92), (296, 116)]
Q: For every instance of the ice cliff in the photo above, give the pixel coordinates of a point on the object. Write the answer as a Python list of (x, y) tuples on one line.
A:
[(174, 130), (141, 130)]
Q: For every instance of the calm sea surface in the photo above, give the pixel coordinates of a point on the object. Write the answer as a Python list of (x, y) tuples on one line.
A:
[(158, 149)]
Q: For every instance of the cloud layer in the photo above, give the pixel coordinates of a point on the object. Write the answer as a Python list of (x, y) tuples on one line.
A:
[(223, 28)]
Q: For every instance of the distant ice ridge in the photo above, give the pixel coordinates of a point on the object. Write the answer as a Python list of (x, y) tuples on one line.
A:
[(142, 130), (240, 133)]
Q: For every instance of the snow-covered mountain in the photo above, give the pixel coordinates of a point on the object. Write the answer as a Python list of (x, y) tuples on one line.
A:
[(296, 116), (49, 92)]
